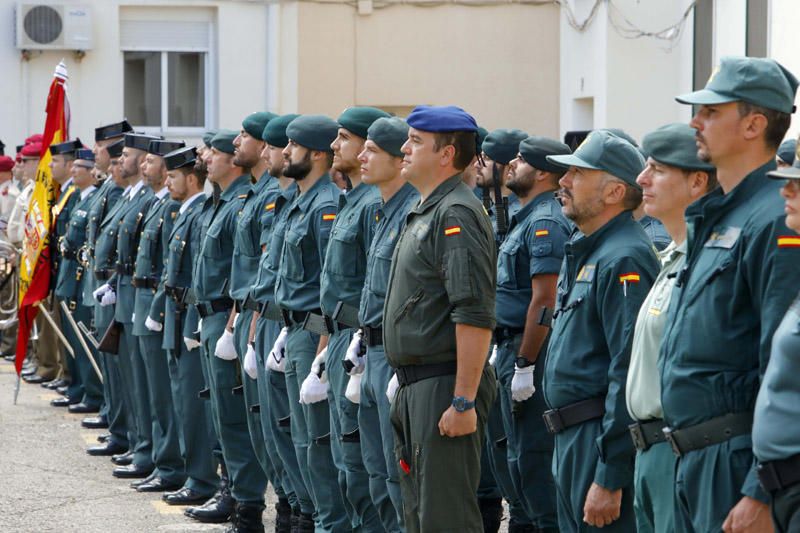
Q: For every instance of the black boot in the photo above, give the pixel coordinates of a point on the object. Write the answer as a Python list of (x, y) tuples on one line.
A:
[(302, 523), (514, 527), (491, 513), (283, 516), (219, 508), (247, 518)]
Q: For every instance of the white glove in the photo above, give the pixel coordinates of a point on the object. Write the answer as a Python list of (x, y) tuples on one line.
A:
[(191, 344), (315, 386), (276, 358), (392, 388), (353, 390), (199, 325), (493, 357), (152, 325), (108, 298), (225, 349), (101, 290), (250, 362), (522, 383), (133, 317), (354, 359)]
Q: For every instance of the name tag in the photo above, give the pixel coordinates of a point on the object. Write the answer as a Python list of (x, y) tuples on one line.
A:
[(586, 274), (723, 238)]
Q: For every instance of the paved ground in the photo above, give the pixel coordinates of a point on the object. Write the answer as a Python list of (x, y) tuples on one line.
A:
[(50, 484)]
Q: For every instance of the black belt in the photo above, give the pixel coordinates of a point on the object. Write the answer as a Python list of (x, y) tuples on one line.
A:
[(71, 255), (103, 275), (372, 336), (291, 318), (145, 283), (125, 270), (248, 304), (778, 475), (271, 311), (321, 324), (557, 420), (406, 375), (176, 293), (219, 305), (645, 434), (503, 334), (708, 433)]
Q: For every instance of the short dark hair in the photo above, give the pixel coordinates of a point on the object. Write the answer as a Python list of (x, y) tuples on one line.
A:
[(777, 122), (712, 177), (463, 141), (632, 198)]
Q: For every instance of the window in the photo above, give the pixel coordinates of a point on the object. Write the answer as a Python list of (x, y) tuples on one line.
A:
[(165, 90)]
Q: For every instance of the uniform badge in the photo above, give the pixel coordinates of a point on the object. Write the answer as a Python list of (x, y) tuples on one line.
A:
[(723, 238), (624, 279), (586, 274), (269, 207), (452, 230), (328, 217), (541, 233), (786, 241)]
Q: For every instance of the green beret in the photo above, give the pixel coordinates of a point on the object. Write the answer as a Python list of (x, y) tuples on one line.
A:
[(389, 133), (315, 132), (674, 145), (274, 133), (223, 140), (786, 151), (503, 145), (207, 136), (481, 134), (534, 150), (605, 151), (357, 120), (758, 81), (255, 123)]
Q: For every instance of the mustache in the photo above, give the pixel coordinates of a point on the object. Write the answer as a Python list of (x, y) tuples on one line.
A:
[(699, 137), (563, 193)]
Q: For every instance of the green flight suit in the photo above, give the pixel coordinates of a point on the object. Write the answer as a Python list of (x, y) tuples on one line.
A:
[(297, 292), (341, 282), (374, 420), (728, 301), (603, 281), (210, 281), (443, 273), (534, 246), (193, 415), (149, 265)]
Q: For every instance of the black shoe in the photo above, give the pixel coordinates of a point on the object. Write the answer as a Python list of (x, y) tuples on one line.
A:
[(303, 523), (184, 496), (35, 379), (103, 437), (28, 372), (216, 510), (109, 448), (491, 513), (63, 390), (283, 516), (247, 518), (131, 472), (63, 402), (10, 357), (53, 385), (82, 409), (95, 422), (158, 484), (123, 459)]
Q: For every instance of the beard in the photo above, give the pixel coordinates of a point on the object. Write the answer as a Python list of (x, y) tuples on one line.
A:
[(580, 213), (300, 169), (520, 186)]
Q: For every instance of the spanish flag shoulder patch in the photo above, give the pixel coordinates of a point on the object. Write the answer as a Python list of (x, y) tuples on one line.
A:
[(630, 277), (269, 207), (328, 217), (242, 196), (787, 241), (452, 230), (541, 233)]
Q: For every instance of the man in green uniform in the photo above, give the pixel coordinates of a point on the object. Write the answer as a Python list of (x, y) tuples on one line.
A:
[(608, 268), (776, 443), (155, 228), (272, 395), (381, 166), (211, 281), (439, 313), (730, 297), (185, 179), (341, 282), (672, 179), (527, 271), (308, 225)]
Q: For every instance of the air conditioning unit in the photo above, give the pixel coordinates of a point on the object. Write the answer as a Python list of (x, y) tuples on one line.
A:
[(56, 26)]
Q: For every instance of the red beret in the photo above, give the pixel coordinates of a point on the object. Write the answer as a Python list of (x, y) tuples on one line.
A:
[(32, 150), (35, 138), (6, 163)]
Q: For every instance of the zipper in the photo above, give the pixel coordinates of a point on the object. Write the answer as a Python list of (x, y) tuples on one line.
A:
[(410, 303)]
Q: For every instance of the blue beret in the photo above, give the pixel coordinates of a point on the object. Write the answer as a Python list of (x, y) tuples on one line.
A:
[(389, 133), (441, 119), (223, 141), (357, 120), (315, 132), (503, 145), (255, 123), (274, 133)]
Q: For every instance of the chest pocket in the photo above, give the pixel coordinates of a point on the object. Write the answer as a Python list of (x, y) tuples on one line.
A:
[(343, 252), (149, 241), (507, 262), (568, 302), (292, 263), (266, 220), (247, 231), (77, 230), (212, 247), (380, 269)]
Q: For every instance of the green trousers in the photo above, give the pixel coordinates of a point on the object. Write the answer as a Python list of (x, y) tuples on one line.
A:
[(440, 475), (195, 429), (786, 509), (346, 439), (654, 489), (377, 440), (574, 462), (248, 481), (311, 436), (132, 371), (112, 384)]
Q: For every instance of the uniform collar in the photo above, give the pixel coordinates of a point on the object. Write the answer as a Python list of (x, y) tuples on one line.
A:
[(162, 193), (189, 201), (582, 245), (354, 195), (394, 203), (262, 183), (526, 209), (717, 201), (305, 199), (235, 188), (135, 189), (438, 193), (67, 183), (87, 191)]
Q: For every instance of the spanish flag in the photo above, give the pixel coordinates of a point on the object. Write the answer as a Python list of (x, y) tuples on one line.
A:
[(789, 242), (630, 277), (452, 230), (541, 233), (34, 274)]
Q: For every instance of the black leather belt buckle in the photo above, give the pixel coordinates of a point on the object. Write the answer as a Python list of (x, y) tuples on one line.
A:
[(669, 434), (553, 421), (637, 435)]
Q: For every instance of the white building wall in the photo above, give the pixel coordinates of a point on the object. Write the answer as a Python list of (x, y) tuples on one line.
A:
[(784, 44)]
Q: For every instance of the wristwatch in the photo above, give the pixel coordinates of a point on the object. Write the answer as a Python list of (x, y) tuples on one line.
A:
[(523, 362), (461, 404)]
